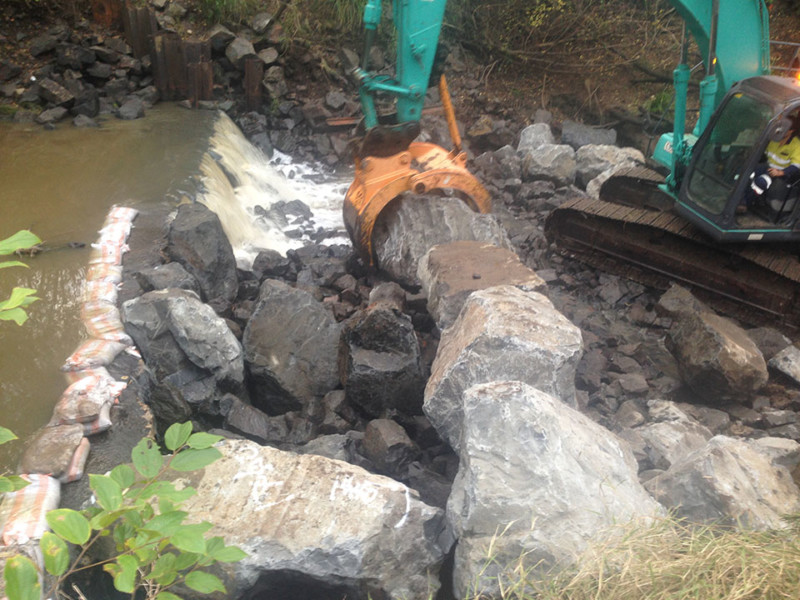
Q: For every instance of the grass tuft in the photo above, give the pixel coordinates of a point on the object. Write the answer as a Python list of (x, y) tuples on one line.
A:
[(671, 560)]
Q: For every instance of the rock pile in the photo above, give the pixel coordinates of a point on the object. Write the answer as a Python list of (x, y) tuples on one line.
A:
[(556, 400)]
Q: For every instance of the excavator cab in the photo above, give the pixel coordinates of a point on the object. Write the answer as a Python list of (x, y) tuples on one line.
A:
[(724, 158)]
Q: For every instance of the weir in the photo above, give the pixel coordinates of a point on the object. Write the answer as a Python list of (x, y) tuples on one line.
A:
[(60, 185), (243, 186)]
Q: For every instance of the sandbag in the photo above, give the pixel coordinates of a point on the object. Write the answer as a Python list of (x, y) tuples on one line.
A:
[(22, 513), (77, 464), (104, 272), (73, 376), (82, 401), (103, 322), (107, 252), (51, 450), (115, 232), (100, 424), (95, 292), (120, 213), (93, 353)]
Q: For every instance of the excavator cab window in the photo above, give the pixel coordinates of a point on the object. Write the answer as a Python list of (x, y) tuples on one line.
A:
[(723, 151)]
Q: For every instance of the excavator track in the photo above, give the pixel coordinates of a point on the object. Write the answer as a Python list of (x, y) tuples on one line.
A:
[(756, 283)]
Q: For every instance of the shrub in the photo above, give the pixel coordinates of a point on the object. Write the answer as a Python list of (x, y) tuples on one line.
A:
[(139, 509), (13, 309)]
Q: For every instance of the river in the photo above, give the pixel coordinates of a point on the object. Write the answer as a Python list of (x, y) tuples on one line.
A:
[(60, 185)]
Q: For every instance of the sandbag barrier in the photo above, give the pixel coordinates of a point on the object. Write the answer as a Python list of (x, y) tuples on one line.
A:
[(57, 453)]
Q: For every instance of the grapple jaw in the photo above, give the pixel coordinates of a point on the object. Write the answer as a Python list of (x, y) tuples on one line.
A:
[(422, 168)]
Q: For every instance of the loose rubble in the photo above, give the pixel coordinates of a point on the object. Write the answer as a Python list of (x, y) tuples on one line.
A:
[(526, 407)]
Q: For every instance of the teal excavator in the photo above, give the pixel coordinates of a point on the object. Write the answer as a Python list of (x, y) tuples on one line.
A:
[(677, 224), (689, 225)]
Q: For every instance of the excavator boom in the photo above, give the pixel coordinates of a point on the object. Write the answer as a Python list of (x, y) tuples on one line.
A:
[(387, 160)]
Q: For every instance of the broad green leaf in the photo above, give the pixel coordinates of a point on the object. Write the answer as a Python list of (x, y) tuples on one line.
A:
[(123, 531), (124, 475), (167, 596), (11, 263), (163, 567), (6, 435), (22, 581), (214, 543), (184, 560), (17, 298), (176, 496), (104, 518), (201, 440), (55, 552), (17, 315), (70, 525), (125, 578), (229, 554), (146, 554), (191, 460), (107, 491), (176, 435), (156, 488), (12, 483), (166, 524), (190, 538), (204, 582), (146, 458), (19, 241)]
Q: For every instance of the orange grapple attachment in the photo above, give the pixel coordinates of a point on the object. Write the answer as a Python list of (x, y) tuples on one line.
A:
[(422, 168)]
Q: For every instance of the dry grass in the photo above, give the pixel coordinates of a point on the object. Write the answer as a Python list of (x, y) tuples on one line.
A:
[(671, 560)]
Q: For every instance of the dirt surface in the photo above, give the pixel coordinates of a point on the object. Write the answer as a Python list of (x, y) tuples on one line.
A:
[(572, 84), (623, 74)]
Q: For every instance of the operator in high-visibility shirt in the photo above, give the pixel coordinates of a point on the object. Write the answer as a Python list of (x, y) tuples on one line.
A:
[(781, 170)]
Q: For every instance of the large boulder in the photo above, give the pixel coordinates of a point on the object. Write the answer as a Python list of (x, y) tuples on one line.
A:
[(193, 356), (668, 440), (502, 333), (578, 134), (551, 162), (536, 482), (534, 136), (787, 361), (290, 348), (333, 529), (716, 357), (728, 481), (594, 159), (451, 272), (196, 241), (413, 224), (380, 363)]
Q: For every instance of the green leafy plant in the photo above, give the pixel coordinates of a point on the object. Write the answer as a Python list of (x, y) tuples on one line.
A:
[(139, 509), (9, 483), (13, 309)]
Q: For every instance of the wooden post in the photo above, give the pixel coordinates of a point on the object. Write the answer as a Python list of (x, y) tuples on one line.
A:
[(200, 77), (140, 25), (177, 83), (253, 74), (107, 13)]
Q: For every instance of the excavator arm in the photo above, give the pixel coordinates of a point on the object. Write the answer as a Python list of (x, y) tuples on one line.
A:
[(387, 160), (733, 38)]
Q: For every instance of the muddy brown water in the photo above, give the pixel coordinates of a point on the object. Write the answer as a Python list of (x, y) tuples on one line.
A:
[(60, 185)]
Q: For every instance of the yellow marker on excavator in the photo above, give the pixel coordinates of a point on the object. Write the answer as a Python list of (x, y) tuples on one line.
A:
[(388, 163)]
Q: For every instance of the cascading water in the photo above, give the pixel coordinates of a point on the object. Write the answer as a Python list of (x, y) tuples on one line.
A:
[(61, 183), (243, 187)]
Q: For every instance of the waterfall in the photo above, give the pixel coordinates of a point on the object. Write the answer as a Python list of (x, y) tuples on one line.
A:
[(243, 187)]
